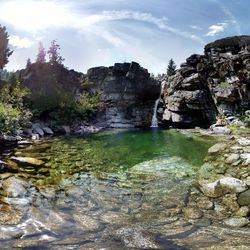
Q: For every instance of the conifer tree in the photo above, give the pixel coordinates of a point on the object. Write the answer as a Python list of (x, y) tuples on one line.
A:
[(5, 52), (171, 70), (41, 54), (53, 52)]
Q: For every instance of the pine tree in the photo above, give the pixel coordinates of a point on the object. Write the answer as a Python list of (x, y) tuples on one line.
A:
[(28, 63), (5, 52), (53, 52), (171, 70), (41, 54)]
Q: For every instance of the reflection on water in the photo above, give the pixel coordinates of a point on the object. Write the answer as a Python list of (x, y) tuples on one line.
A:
[(114, 190)]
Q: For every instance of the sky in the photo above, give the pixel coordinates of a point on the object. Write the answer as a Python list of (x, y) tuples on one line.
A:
[(102, 32)]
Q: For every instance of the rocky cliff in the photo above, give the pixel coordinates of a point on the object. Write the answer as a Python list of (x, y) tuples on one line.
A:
[(128, 93), (205, 85), (126, 90)]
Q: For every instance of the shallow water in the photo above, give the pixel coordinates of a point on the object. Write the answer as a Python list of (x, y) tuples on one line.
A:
[(119, 189)]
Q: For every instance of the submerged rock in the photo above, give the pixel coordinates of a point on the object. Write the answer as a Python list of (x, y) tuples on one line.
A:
[(27, 161), (236, 222), (9, 215), (217, 148)]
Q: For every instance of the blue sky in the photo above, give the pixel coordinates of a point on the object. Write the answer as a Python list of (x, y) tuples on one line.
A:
[(98, 32)]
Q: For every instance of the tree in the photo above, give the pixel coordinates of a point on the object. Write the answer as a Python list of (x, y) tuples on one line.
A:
[(28, 63), (5, 52), (171, 70), (53, 52), (41, 54)]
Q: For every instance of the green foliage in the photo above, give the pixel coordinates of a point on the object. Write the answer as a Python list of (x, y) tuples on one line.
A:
[(5, 52), (171, 70), (13, 111), (61, 107), (246, 120)]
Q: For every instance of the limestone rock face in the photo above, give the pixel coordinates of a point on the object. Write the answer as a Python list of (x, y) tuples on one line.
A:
[(127, 92), (218, 81)]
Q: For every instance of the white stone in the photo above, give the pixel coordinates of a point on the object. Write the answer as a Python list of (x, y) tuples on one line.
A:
[(244, 142)]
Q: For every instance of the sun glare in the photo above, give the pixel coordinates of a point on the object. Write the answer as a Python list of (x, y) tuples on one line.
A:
[(34, 15)]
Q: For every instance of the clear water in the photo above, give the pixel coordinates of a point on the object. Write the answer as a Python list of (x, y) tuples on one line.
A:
[(119, 189)]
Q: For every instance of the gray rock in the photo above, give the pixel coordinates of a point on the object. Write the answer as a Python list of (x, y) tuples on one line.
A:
[(219, 147), (232, 158), (38, 131), (48, 130), (236, 222), (244, 141), (244, 198), (221, 130), (223, 186)]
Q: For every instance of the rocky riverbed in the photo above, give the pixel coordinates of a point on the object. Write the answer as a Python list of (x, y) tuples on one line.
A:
[(164, 201)]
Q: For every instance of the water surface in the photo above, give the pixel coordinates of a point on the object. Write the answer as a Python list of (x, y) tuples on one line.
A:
[(118, 189)]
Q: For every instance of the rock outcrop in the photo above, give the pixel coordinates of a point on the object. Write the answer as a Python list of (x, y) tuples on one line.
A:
[(205, 85), (126, 90), (128, 94)]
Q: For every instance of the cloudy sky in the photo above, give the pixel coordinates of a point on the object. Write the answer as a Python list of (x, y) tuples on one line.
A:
[(98, 32)]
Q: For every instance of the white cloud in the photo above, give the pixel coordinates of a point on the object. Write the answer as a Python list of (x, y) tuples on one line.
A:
[(20, 43), (195, 27), (216, 28), (34, 16), (232, 19)]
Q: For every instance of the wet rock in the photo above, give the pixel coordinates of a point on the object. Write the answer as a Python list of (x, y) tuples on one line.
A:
[(85, 221), (115, 218), (135, 237), (223, 186), (9, 215), (192, 213), (204, 203), (14, 187), (27, 161), (236, 222), (230, 201), (244, 198), (204, 222), (217, 148)]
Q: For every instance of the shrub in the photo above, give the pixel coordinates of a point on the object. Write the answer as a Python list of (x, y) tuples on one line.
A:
[(61, 107), (13, 110)]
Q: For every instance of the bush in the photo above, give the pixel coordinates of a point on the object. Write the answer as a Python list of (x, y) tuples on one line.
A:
[(13, 112), (60, 106)]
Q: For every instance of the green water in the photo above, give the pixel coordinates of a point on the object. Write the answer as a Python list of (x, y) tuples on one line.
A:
[(91, 186), (115, 151)]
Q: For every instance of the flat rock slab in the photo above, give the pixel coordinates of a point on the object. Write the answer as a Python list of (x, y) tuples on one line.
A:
[(28, 161), (236, 222)]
